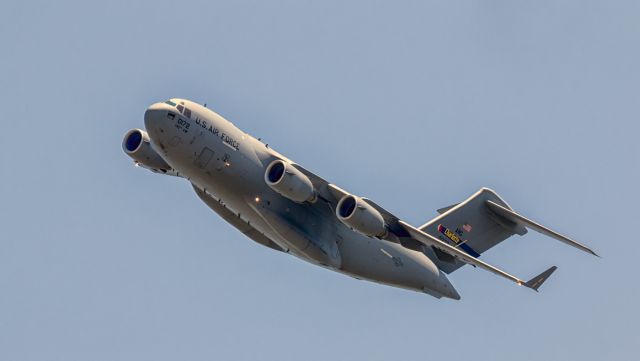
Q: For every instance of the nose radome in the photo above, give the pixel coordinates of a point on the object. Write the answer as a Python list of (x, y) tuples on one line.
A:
[(154, 114)]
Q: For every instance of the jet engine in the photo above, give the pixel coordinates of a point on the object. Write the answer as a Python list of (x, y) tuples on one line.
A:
[(356, 213), (137, 146), (289, 182)]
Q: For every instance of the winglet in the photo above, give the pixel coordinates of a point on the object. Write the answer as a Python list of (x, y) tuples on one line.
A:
[(538, 280)]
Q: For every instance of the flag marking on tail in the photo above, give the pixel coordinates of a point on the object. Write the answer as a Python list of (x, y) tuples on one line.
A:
[(453, 237)]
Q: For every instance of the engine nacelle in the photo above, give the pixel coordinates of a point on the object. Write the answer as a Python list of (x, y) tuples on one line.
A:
[(356, 213), (137, 146), (289, 182)]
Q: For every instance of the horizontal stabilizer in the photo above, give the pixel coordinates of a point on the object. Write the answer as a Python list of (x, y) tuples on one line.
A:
[(538, 280), (445, 209), (521, 220)]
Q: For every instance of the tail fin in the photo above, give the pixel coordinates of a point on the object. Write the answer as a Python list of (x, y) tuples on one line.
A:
[(479, 223)]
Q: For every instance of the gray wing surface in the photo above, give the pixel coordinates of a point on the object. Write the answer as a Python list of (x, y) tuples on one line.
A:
[(524, 222), (242, 226), (461, 233)]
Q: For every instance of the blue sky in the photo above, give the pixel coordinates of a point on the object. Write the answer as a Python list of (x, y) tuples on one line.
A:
[(413, 104)]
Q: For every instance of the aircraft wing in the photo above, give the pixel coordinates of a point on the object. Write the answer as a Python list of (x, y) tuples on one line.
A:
[(525, 222), (416, 239), (430, 240), (237, 222), (327, 191)]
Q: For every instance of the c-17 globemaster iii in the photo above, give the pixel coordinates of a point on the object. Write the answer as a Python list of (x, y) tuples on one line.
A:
[(281, 205)]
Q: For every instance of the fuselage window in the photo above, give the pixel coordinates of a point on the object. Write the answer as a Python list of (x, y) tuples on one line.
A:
[(170, 103)]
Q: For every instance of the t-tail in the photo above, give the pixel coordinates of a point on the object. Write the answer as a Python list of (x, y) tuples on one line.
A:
[(464, 231)]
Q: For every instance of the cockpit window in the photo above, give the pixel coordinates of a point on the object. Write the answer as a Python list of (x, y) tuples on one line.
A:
[(184, 110), (170, 103)]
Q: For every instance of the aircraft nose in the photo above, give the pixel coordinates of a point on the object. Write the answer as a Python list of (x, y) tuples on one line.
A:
[(154, 114)]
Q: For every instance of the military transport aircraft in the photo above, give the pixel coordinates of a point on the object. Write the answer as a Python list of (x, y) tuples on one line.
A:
[(282, 205)]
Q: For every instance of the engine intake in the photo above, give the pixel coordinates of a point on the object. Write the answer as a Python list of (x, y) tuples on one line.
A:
[(356, 213), (136, 145), (289, 182)]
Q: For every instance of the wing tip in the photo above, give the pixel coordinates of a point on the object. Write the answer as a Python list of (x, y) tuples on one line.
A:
[(538, 280), (512, 216)]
